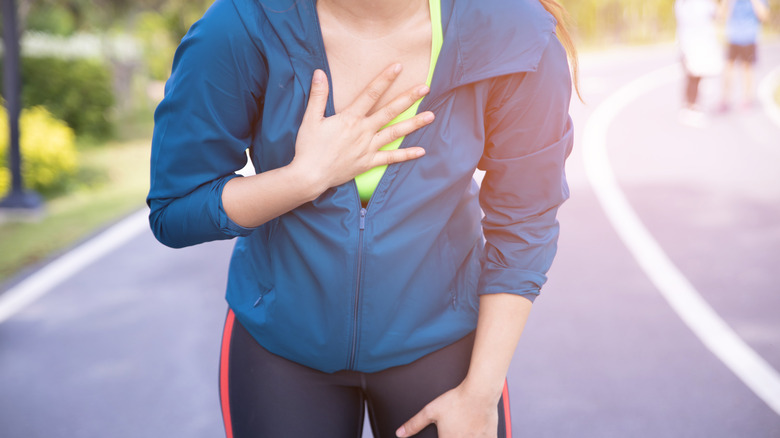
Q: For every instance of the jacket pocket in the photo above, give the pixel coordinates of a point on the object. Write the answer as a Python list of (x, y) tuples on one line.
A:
[(264, 292), (464, 288)]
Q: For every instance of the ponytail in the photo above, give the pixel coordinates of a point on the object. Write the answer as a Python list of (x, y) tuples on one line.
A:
[(564, 22)]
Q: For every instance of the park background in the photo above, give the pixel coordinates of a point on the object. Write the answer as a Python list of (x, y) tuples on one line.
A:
[(130, 343), (93, 72)]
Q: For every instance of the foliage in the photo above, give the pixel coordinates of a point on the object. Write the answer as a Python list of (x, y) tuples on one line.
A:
[(158, 44), (596, 20), (158, 24), (181, 14), (96, 15), (86, 15), (621, 21), (124, 169), (160, 28), (49, 160), (633, 21), (78, 91), (51, 18)]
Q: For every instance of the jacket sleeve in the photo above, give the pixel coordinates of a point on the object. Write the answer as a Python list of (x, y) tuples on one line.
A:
[(203, 127), (528, 137)]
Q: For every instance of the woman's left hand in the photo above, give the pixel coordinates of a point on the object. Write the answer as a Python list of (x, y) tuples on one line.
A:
[(457, 413)]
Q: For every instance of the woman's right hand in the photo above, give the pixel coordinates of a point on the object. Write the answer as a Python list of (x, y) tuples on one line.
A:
[(333, 150)]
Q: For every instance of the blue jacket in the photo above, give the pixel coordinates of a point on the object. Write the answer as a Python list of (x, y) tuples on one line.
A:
[(332, 285)]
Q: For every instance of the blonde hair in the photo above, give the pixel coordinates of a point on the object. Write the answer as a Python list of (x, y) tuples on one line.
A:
[(562, 30)]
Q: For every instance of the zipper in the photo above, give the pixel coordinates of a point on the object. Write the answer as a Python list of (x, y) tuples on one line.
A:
[(362, 226), (355, 331), (329, 111)]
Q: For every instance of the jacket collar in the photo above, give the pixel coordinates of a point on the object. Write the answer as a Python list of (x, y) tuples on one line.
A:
[(489, 38), (482, 38)]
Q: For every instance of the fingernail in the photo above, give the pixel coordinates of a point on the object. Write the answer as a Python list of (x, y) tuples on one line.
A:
[(423, 90), (428, 117), (400, 432), (318, 76), (417, 153), (397, 68)]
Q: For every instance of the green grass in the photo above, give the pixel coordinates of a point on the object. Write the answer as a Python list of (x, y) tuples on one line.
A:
[(115, 183)]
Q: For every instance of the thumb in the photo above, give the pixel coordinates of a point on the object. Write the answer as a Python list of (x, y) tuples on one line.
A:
[(416, 423), (318, 97)]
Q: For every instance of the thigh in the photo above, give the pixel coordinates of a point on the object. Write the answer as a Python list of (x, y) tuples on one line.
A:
[(750, 54), (396, 394), (733, 52), (264, 395), (745, 54)]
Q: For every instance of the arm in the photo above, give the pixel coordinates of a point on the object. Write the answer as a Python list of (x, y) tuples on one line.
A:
[(761, 10), (328, 151), (203, 127), (724, 9), (502, 318), (205, 123), (529, 137)]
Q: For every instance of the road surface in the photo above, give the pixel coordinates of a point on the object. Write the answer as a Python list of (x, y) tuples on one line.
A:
[(127, 346)]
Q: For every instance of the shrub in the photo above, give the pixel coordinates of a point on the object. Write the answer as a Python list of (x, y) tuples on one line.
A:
[(49, 160), (50, 18), (78, 91)]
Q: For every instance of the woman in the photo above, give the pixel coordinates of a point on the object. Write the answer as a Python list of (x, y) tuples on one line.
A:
[(699, 49), (743, 28), (380, 292)]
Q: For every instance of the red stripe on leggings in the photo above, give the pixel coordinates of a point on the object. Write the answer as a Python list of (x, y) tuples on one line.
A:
[(507, 411), (224, 396)]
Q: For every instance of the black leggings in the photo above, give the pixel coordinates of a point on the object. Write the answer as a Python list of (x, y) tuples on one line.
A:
[(267, 396)]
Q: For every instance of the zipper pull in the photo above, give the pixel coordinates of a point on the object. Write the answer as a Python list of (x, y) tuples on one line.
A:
[(363, 218)]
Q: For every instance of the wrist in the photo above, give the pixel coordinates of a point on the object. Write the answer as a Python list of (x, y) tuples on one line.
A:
[(309, 184), (484, 390)]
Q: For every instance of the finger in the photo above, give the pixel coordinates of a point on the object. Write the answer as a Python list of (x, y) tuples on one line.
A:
[(383, 158), (401, 129), (415, 424), (318, 97), (387, 113), (374, 90)]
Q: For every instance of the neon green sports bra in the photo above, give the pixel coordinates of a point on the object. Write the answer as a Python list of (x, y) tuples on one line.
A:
[(368, 181)]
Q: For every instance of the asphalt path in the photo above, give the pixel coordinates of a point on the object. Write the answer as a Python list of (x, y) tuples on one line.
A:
[(128, 345)]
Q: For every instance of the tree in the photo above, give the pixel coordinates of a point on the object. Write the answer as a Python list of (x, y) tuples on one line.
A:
[(18, 198)]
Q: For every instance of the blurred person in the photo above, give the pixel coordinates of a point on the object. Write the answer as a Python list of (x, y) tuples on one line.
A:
[(743, 24), (699, 52), (360, 275)]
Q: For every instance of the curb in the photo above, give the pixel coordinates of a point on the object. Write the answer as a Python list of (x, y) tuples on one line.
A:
[(74, 260)]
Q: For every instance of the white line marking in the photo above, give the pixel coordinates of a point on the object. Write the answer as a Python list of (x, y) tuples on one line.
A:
[(705, 323), (48, 277), (766, 94)]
